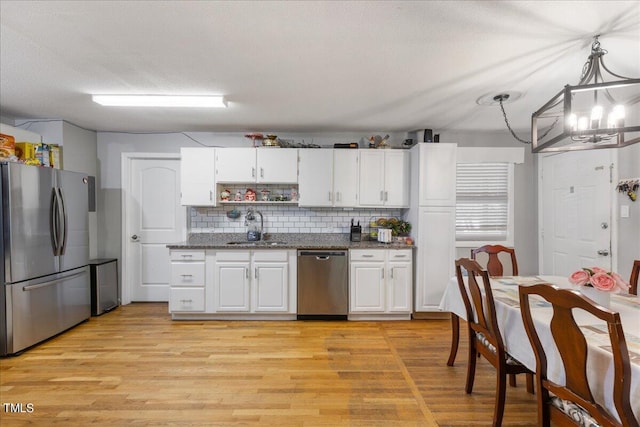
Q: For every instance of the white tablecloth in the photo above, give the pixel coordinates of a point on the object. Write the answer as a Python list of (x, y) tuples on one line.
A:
[(600, 361)]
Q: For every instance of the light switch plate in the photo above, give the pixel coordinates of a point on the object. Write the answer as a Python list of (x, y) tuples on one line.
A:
[(624, 211)]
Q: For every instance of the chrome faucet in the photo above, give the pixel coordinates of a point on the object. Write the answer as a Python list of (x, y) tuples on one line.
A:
[(253, 234)]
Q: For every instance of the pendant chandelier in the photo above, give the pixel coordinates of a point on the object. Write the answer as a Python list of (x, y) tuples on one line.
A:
[(595, 113)]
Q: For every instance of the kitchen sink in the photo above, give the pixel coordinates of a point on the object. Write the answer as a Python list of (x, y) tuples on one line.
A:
[(260, 243)]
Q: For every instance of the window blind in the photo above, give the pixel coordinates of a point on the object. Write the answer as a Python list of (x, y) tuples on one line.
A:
[(482, 201)]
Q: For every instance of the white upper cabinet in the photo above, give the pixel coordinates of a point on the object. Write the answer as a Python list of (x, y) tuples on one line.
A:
[(345, 178), (437, 175), (197, 177), (371, 178), (328, 177), (384, 178), (396, 178), (236, 165), (277, 165), (261, 165), (315, 182)]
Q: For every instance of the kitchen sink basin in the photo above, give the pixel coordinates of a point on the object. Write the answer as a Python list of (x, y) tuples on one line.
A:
[(260, 243)]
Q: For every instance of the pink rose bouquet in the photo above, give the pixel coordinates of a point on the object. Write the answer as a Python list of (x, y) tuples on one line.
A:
[(600, 279)]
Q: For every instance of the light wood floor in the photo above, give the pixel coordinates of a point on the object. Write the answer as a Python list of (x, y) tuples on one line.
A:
[(135, 366)]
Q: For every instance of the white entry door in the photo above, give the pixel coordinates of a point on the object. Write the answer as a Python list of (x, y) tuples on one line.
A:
[(576, 214), (153, 219)]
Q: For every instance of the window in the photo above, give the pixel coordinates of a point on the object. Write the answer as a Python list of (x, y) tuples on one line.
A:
[(484, 203)]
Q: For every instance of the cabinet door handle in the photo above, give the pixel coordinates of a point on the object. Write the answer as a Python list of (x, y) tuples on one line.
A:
[(246, 273), (210, 195), (382, 271), (253, 172), (338, 196), (386, 196), (399, 256), (329, 195), (381, 195), (186, 275), (185, 300), (367, 256), (261, 172), (186, 256), (391, 272)]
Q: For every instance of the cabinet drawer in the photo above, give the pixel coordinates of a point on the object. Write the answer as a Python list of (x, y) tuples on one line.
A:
[(187, 255), (367, 254), (400, 255), (243, 255), (270, 255), (186, 299), (187, 274)]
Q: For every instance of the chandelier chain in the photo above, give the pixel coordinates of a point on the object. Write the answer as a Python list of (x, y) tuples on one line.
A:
[(524, 141)]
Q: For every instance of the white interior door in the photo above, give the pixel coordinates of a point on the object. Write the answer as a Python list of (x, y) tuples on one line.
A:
[(153, 219), (576, 211)]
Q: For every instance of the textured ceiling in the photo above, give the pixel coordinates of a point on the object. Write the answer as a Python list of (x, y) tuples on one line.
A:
[(304, 66)]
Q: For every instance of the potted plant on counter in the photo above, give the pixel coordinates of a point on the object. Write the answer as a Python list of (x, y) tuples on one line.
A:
[(401, 229)]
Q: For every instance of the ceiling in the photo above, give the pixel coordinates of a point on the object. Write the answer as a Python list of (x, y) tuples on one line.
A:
[(304, 66)]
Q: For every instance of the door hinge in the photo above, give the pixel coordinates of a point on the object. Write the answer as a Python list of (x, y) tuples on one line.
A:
[(611, 173)]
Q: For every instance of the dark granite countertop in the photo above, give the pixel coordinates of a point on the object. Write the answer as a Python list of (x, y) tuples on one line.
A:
[(281, 241)]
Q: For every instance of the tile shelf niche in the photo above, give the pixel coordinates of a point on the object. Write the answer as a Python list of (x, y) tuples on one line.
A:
[(275, 190), (259, 202)]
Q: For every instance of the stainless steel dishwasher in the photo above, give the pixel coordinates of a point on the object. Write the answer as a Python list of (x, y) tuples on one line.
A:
[(323, 284)]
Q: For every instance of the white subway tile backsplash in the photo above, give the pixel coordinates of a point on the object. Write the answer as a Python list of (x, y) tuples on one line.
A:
[(285, 219)]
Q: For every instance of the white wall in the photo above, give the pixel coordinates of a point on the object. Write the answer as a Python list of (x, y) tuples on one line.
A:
[(525, 194), (79, 154), (628, 228), (111, 145)]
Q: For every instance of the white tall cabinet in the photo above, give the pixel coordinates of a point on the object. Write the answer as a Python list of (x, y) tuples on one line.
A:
[(432, 214)]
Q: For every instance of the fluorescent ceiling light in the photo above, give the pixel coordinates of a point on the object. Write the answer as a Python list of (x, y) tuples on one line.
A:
[(196, 101)]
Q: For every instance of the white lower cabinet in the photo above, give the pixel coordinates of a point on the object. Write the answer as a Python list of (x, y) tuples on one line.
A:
[(270, 291), (252, 282), (186, 300), (187, 288), (231, 281), (233, 284), (381, 284)]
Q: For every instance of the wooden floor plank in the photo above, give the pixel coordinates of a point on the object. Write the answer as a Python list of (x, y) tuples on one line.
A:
[(135, 366)]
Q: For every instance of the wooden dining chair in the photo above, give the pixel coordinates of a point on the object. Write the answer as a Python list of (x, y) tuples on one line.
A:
[(573, 404), (484, 335), (495, 267), (635, 274), (494, 264)]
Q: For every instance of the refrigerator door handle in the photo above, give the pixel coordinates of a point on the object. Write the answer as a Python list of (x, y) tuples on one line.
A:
[(63, 223), (53, 216), (52, 282)]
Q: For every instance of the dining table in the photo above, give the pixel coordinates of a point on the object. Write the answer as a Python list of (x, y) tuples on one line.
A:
[(516, 342)]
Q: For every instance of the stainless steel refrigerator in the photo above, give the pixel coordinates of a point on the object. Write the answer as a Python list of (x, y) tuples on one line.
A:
[(45, 252)]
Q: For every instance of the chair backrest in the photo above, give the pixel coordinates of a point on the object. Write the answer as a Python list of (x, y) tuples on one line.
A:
[(635, 273), (494, 264), (478, 302), (572, 347)]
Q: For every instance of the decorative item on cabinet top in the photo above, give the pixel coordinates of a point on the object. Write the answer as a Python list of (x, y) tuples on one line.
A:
[(273, 141)]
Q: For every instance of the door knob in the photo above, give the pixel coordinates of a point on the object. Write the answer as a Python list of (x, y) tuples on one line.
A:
[(603, 252), (134, 237)]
